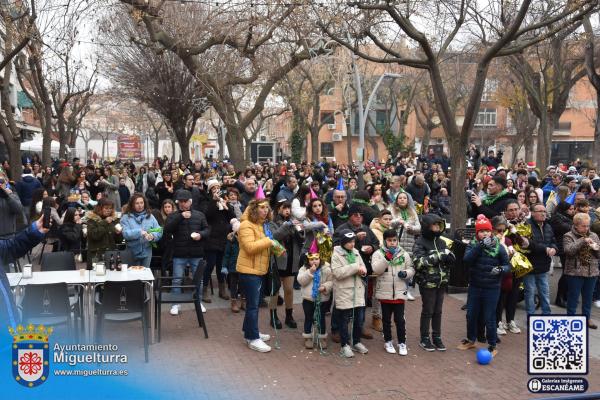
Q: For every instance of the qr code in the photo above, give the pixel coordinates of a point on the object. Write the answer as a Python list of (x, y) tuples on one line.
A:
[(557, 344)]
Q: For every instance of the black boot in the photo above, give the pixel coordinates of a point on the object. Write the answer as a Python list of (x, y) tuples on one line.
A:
[(274, 320), (289, 319)]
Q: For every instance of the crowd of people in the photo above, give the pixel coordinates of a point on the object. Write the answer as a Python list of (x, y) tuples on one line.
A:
[(271, 228)]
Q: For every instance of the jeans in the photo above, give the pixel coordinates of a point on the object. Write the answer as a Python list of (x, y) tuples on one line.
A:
[(580, 286), (345, 316), (251, 285), (482, 299), (431, 311), (309, 312), (179, 265), (539, 281), (145, 261), (213, 258), (387, 309)]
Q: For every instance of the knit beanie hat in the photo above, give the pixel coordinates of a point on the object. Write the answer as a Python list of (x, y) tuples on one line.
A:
[(346, 236), (482, 223)]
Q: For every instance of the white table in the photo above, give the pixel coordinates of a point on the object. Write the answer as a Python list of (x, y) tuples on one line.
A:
[(144, 275), (14, 278)]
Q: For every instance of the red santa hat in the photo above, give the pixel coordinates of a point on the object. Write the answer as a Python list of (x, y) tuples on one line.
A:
[(531, 164), (482, 224)]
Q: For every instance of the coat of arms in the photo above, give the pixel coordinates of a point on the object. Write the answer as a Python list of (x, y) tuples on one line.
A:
[(30, 354)]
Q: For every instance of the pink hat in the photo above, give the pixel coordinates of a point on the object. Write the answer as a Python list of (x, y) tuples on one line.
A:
[(313, 247), (313, 195), (260, 194)]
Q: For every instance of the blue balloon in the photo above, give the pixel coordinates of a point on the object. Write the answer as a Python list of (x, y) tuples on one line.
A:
[(484, 357)]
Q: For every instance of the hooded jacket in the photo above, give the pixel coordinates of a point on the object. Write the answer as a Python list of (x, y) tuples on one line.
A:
[(101, 235), (482, 260), (389, 285), (133, 224), (305, 279), (25, 188), (348, 287), (431, 257)]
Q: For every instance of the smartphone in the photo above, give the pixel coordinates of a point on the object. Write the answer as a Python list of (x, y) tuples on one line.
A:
[(46, 220)]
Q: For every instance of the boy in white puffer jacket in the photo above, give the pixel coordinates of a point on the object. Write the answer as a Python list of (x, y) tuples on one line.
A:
[(393, 267), (316, 280)]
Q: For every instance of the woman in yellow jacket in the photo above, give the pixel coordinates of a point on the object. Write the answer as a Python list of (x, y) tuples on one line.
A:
[(252, 265)]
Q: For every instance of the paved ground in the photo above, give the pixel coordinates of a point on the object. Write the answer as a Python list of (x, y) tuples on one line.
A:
[(222, 367)]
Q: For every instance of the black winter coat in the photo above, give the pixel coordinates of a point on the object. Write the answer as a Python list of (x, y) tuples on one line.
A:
[(481, 264), (561, 225), (181, 229), (218, 220), (542, 239), (70, 236), (431, 258), (494, 209)]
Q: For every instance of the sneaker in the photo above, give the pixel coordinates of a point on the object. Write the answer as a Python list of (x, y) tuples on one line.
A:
[(513, 328), (501, 330), (264, 337), (389, 347), (409, 296), (346, 352), (466, 344), (174, 309), (492, 349), (360, 348), (439, 345), (426, 344), (202, 308), (402, 350), (597, 303), (259, 345)]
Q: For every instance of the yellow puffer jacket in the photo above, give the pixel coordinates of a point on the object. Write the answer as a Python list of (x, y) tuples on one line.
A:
[(255, 248)]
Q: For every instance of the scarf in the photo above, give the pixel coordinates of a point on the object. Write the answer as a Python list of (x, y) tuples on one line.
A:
[(490, 251), (316, 284), (339, 214), (350, 256), (489, 200), (360, 201)]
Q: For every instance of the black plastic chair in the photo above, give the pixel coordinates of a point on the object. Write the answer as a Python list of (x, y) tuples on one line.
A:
[(58, 261), (123, 302), (126, 256), (163, 295), (49, 305)]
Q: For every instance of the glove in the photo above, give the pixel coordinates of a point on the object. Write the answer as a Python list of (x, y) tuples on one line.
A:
[(402, 274), (488, 242), (496, 271)]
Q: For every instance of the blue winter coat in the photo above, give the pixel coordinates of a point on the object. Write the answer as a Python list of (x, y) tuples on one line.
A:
[(133, 224), (481, 264), (12, 249), (25, 188)]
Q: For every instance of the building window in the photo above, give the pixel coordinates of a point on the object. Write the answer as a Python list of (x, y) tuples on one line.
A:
[(380, 121), (489, 90), (327, 118), (486, 117), (326, 149)]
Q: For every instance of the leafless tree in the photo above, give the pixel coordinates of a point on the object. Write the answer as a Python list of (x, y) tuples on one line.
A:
[(486, 30), (158, 79), (229, 46), (594, 78)]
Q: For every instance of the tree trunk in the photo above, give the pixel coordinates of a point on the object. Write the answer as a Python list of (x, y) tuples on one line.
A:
[(220, 140), (529, 147), (173, 150), (104, 143), (426, 140), (156, 142), (235, 140), (314, 143), (457, 149), (373, 142), (544, 144), (247, 146)]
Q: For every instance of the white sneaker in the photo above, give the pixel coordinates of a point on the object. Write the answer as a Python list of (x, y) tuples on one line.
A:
[(259, 345), (402, 350), (513, 328), (174, 309), (202, 308), (264, 337), (597, 304), (389, 347), (360, 348), (346, 352), (501, 330), (409, 296)]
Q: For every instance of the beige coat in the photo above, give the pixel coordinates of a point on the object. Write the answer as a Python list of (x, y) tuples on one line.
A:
[(389, 286), (305, 279), (348, 286), (573, 243)]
